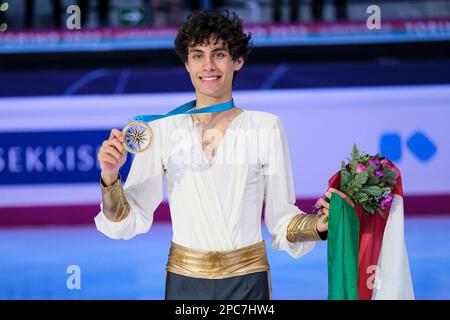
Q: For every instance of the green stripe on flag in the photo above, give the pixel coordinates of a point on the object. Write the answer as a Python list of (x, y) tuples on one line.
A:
[(343, 248)]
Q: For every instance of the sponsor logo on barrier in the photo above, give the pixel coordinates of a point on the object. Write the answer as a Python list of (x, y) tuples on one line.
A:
[(419, 144), (51, 157)]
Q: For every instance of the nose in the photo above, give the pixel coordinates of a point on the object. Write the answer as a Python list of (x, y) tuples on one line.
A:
[(209, 64)]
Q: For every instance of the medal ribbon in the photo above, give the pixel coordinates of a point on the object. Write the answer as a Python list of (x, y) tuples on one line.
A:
[(187, 108)]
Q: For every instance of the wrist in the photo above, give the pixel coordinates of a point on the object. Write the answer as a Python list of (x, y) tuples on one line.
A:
[(321, 226), (109, 179)]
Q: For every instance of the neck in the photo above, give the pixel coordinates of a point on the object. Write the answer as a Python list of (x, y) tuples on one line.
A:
[(206, 101)]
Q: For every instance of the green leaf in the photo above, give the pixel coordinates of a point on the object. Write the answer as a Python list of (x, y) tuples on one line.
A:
[(345, 177), (355, 152), (363, 197), (371, 181), (353, 165), (361, 178), (374, 191), (367, 208)]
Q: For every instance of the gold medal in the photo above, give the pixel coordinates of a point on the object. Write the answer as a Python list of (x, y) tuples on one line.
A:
[(138, 136)]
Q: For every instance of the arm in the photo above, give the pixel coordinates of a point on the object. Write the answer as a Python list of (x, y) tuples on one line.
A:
[(127, 211), (291, 229), (115, 206), (305, 227)]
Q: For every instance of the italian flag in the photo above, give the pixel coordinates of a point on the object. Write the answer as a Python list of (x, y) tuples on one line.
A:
[(367, 257)]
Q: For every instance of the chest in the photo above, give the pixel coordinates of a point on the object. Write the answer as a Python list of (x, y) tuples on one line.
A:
[(211, 136)]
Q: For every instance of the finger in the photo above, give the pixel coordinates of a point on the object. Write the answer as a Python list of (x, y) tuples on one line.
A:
[(343, 196), (340, 193), (118, 145), (347, 199), (324, 203), (323, 211), (112, 152), (318, 203), (107, 158), (350, 202), (116, 133)]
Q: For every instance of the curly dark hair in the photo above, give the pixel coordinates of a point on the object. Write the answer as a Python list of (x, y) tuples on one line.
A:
[(203, 26)]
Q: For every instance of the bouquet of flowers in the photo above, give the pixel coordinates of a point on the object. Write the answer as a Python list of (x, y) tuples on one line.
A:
[(368, 181)]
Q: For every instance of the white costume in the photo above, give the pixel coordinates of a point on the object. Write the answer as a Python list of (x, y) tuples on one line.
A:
[(213, 207)]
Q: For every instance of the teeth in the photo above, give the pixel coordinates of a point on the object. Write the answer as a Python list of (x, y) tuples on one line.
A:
[(210, 78)]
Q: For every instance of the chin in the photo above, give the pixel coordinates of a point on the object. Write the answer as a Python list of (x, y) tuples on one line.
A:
[(212, 94)]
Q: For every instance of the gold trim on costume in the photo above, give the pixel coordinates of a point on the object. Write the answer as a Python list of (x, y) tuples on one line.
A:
[(217, 264), (303, 227), (115, 205)]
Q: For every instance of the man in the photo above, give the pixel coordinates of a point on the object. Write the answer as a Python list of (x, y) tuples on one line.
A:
[(219, 168)]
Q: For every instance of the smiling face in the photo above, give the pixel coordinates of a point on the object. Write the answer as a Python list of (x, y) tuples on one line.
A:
[(211, 69)]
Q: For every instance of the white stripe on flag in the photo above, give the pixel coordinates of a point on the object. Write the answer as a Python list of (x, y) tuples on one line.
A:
[(393, 277)]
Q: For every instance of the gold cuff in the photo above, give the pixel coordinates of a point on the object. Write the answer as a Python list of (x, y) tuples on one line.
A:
[(303, 227), (115, 205)]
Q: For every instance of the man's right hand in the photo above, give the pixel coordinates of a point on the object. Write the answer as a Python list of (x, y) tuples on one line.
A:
[(112, 156)]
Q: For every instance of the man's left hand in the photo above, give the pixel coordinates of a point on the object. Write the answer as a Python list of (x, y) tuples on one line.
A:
[(325, 207)]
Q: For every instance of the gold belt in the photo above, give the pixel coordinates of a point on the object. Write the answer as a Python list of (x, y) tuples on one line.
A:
[(217, 264)]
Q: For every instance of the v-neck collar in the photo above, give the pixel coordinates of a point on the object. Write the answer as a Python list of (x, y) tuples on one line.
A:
[(225, 137)]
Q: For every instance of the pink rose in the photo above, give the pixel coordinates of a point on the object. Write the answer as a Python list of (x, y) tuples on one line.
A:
[(384, 162), (360, 168)]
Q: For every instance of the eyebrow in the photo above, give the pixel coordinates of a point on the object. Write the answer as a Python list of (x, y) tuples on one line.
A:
[(214, 50)]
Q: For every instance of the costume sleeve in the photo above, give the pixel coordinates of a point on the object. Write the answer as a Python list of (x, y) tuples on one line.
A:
[(291, 229), (135, 203)]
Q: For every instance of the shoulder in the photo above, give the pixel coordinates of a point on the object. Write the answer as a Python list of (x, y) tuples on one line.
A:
[(168, 123), (262, 119)]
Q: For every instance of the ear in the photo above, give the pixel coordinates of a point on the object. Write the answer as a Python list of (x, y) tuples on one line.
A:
[(238, 63), (187, 67)]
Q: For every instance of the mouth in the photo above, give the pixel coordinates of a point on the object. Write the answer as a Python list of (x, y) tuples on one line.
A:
[(210, 79)]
